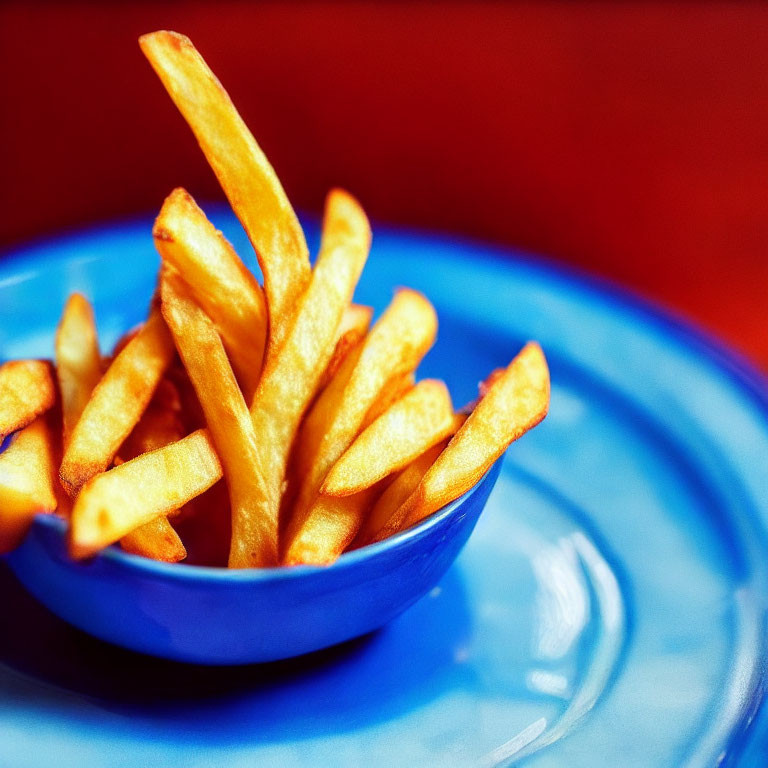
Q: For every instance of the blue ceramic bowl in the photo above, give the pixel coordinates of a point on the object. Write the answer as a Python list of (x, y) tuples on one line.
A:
[(219, 616)]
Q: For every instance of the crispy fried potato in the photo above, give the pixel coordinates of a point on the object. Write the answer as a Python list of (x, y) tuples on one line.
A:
[(393, 390), (113, 503), (286, 387), (354, 326), (219, 281), (78, 361), (27, 481), (395, 345), (395, 494), (484, 387), (514, 403), (290, 381), (156, 540), (159, 426), (116, 404), (413, 424), (226, 413), (331, 527), (122, 342), (26, 391), (244, 173)]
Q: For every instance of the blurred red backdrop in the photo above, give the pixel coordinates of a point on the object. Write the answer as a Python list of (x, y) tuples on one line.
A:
[(630, 139)]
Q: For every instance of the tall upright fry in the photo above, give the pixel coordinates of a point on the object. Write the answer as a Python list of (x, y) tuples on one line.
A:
[(395, 345), (117, 403), (78, 360), (26, 391), (515, 402), (244, 173), (220, 283), (290, 380), (27, 481), (226, 413)]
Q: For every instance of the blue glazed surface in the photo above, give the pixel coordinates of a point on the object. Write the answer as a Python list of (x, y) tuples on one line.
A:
[(216, 616), (608, 610)]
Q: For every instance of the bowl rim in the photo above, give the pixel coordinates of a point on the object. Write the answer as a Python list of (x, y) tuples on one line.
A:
[(185, 572)]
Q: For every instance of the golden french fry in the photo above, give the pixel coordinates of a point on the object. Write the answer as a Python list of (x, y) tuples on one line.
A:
[(485, 385), (116, 404), (26, 391), (78, 361), (395, 494), (395, 345), (122, 342), (244, 173), (156, 540), (27, 481), (416, 422), (219, 281), (331, 527), (287, 385), (226, 413), (515, 402), (354, 326), (159, 426), (290, 380), (393, 390), (113, 503)]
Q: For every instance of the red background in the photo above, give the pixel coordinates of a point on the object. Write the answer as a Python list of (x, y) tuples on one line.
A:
[(630, 139)]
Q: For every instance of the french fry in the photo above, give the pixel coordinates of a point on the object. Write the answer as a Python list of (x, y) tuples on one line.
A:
[(159, 426), (78, 360), (113, 503), (244, 173), (219, 281), (27, 481), (290, 381), (116, 404), (514, 403), (330, 529), (156, 540), (354, 326), (393, 390), (287, 385), (412, 425), (484, 387), (395, 494), (26, 391), (226, 413), (395, 345), (122, 342)]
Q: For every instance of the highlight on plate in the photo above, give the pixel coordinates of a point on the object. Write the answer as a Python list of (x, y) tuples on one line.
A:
[(244, 425)]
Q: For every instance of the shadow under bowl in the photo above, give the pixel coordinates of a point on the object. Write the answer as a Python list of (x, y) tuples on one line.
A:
[(218, 616)]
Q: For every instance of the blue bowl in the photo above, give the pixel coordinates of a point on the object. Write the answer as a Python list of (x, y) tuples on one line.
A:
[(218, 616)]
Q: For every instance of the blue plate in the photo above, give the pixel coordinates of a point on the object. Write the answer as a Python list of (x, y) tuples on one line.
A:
[(609, 610)]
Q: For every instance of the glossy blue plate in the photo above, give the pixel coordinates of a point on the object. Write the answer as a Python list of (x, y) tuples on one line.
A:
[(609, 609)]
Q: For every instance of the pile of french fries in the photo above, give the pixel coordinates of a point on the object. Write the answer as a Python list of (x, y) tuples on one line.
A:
[(251, 426)]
